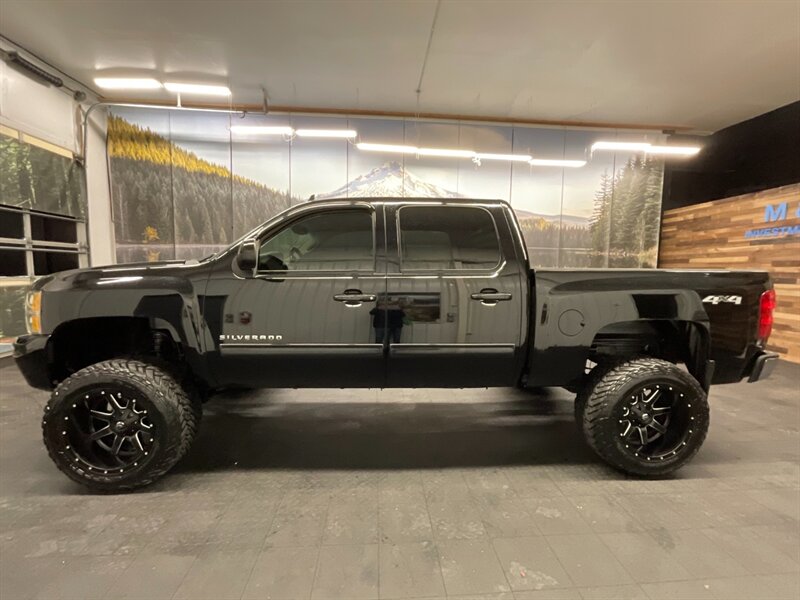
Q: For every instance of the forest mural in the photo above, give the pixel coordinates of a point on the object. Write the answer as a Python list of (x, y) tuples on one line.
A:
[(183, 185), (35, 178)]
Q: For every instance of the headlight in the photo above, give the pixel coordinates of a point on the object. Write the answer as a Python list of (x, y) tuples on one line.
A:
[(33, 312)]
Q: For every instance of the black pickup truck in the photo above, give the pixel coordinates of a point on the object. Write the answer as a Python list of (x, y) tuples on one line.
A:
[(383, 293)]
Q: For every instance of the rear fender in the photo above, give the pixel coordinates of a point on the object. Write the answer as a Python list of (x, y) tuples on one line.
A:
[(570, 322)]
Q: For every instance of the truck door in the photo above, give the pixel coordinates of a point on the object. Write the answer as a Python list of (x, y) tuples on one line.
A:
[(306, 318), (455, 297)]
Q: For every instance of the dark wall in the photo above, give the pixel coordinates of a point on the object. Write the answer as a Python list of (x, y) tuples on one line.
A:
[(759, 154)]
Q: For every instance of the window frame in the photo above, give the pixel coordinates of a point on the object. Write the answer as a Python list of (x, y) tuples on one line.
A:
[(480, 270), (266, 235)]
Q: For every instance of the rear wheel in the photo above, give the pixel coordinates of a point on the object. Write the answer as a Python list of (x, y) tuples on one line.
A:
[(118, 425), (645, 417)]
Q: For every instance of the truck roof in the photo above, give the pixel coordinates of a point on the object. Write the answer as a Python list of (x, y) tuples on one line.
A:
[(391, 199)]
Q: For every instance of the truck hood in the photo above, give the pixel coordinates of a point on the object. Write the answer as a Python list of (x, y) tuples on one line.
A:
[(116, 276)]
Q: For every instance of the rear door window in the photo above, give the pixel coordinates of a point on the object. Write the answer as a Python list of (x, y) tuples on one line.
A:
[(444, 238)]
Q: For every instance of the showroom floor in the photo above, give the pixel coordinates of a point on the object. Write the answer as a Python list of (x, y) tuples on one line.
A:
[(400, 494)]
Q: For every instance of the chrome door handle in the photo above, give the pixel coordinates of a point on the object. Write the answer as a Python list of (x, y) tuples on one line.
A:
[(490, 296), (354, 298)]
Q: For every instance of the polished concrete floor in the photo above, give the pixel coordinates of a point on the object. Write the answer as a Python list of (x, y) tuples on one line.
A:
[(411, 494)]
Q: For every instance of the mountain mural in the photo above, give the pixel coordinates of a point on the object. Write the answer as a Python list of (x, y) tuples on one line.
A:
[(390, 180), (178, 200)]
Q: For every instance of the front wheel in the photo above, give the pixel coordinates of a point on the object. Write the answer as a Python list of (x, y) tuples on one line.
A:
[(645, 417), (118, 425)]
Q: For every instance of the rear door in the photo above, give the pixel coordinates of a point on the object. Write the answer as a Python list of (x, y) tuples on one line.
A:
[(455, 296)]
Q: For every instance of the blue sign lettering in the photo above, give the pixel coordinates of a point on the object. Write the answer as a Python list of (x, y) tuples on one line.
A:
[(772, 213), (775, 213)]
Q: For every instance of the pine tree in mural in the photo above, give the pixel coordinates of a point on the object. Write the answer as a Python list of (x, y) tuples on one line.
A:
[(36, 178), (601, 221), (626, 213), (189, 201)]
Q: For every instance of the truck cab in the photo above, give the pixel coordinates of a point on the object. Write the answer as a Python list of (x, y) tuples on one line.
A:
[(373, 294)]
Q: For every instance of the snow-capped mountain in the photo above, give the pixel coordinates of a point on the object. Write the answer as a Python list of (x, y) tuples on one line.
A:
[(388, 181)]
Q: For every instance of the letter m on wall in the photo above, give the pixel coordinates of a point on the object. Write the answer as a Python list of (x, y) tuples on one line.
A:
[(775, 213)]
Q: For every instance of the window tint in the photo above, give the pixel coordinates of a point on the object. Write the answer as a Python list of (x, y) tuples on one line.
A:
[(333, 241), (447, 237)]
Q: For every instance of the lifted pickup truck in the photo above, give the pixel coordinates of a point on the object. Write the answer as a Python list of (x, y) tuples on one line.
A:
[(383, 293)]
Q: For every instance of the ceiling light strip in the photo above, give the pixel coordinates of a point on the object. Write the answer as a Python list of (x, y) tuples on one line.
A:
[(127, 83), (552, 162), (646, 148), (327, 133), (200, 89)]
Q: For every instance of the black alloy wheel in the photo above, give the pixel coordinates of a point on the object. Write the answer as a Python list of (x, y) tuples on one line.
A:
[(118, 425), (653, 424), (109, 429), (645, 417)]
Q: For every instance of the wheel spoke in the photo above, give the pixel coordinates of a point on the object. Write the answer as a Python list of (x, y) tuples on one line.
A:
[(661, 409), (103, 416), (642, 435), (115, 448), (658, 426), (100, 433), (138, 441), (653, 397), (115, 401)]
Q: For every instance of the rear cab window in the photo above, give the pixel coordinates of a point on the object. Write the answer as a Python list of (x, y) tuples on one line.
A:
[(447, 238)]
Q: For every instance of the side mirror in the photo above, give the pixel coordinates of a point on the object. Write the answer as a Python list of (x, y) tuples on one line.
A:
[(247, 259)]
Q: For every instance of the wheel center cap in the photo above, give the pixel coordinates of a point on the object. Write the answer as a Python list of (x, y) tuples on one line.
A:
[(120, 426)]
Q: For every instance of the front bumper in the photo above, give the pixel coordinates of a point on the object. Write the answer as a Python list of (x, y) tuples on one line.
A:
[(30, 354), (762, 366)]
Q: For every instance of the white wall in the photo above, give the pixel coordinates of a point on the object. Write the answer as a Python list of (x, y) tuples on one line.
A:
[(53, 115), (101, 225), (38, 110)]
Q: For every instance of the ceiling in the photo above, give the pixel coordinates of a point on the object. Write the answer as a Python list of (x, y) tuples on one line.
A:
[(695, 65)]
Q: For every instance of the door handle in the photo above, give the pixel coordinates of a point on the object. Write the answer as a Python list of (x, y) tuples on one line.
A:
[(490, 296), (354, 298)]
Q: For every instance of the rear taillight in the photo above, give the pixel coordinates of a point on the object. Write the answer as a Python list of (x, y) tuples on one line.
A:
[(766, 315)]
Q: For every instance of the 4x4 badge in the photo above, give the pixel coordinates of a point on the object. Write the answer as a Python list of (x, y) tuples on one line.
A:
[(722, 299)]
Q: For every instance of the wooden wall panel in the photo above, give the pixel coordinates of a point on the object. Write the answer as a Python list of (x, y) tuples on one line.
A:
[(712, 235)]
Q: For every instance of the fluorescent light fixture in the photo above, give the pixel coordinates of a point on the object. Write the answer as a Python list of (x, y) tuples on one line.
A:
[(445, 152), (549, 162), (631, 146), (648, 148), (327, 133), (414, 150), (674, 150), (387, 148), (512, 157), (200, 89), (127, 83), (261, 130)]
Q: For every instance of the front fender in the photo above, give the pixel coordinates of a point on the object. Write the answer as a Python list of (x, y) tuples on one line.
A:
[(168, 301)]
